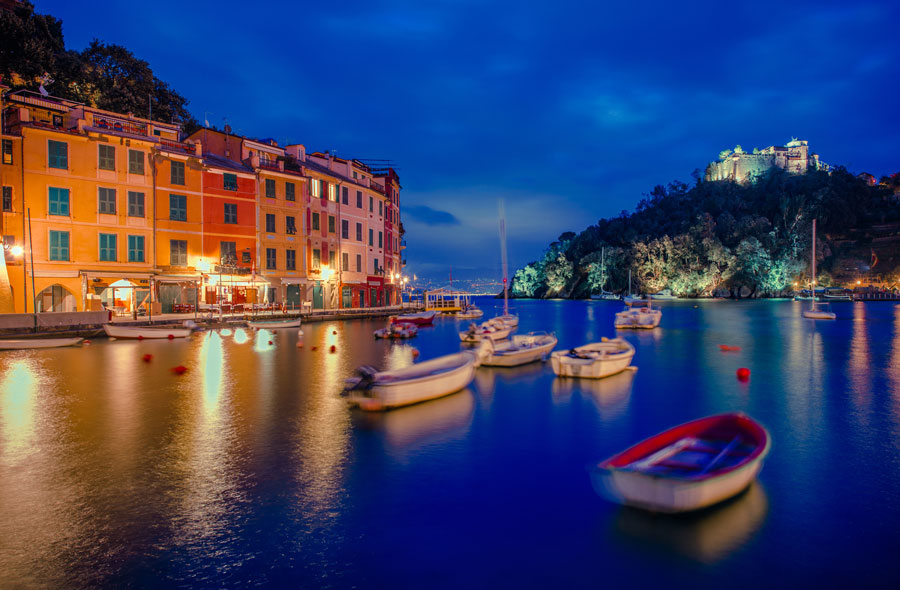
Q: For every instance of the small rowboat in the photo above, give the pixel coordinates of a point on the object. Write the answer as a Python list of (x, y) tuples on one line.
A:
[(489, 330), (687, 467), (520, 350), (424, 318), (508, 319), (402, 331), (638, 315), (470, 313), (275, 324), (142, 333), (26, 343), (594, 360), (374, 390)]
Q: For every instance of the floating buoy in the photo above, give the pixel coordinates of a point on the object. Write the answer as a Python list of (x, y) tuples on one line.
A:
[(314, 348), (140, 337), (743, 374), (299, 344), (148, 358), (179, 370), (270, 343), (727, 348), (87, 343), (333, 348), (415, 353), (334, 332), (171, 337)]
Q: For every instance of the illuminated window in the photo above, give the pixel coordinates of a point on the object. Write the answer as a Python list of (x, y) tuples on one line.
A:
[(331, 258), (315, 187), (7, 151), (316, 258)]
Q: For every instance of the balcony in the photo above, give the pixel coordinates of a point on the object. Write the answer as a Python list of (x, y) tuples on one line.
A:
[(119, 125), (167, 145), (270, 164)]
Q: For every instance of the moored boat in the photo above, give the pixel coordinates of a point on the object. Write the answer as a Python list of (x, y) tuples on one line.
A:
[(424, 318), (687, 467), (606, 296), (594, 360), (275, 324), (489, 330), (507, 319), (26, 343), (519, 350), (639, 315), (470, 313), (374, 390), (398, 331), (664, 295), (816, 310), (143, 332)]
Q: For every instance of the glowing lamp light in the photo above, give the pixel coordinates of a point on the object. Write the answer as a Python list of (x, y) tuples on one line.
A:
[(327, 273), (17, 250), (203, 266)]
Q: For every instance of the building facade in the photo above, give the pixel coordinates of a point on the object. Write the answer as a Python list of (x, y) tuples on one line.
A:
[(740, 166), (109, 211)]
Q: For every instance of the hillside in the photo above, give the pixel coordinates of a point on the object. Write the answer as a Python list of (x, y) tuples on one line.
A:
[(725, 238)]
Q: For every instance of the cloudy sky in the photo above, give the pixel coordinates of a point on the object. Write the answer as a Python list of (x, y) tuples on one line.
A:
[(569, 111)]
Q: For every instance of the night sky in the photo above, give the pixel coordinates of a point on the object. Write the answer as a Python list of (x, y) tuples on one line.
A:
[(568, 111)]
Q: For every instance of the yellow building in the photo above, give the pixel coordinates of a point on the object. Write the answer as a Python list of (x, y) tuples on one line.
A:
[(87, 194)]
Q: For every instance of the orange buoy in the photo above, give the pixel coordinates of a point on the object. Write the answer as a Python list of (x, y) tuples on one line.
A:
[(148, 358), (415, 353), (179, 370), (299, 344), (743, 374), (333, 348), (87, 342), (727, 348)]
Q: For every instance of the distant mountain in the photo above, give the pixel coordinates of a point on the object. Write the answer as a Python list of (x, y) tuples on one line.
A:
[(723, 237)]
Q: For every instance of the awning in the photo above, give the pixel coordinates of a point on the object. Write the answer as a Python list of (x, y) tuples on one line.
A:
[(178, 278), (111, 274)]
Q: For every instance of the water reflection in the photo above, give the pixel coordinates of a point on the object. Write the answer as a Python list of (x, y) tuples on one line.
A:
[(486, 377), (18, 391), (858, 369), (422, 424), (610, 394), (707, 536), (240, 336)]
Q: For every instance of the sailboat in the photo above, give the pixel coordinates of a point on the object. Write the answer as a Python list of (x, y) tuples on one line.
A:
[(817, 311), (507, 318), (604, 294), (629, 299)]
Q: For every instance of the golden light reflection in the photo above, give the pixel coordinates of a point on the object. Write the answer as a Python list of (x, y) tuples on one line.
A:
[(858, 369), (707, 536), (894, 375), (265, 340), (241, 336), (610, 394), (18, 392)]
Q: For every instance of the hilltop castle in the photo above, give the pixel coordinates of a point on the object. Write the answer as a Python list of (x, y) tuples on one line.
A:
[(740, 166)]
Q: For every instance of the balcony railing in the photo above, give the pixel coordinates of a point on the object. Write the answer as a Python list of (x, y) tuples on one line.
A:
[(167, 145), (121, 125), (269, 164)]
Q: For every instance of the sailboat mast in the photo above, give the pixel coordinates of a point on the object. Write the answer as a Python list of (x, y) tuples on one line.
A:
[(503, 257), (814, 260), (603, 268)]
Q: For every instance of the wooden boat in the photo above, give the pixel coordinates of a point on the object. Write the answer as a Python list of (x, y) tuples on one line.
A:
[(401, 331), (374, 390), (640, 315), (687, 467), (424, 318), (522, 349), (275, 324), (507, 319), (594, 360), (143, 332), (26, 343), (489, 330), (470, 313), (817, 311)]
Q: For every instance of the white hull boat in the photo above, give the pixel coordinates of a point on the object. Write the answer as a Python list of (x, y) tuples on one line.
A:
[(472, 313), (507, 319), (520, 350), (489, 330), (819, 312), (423, 318), (374, 390), (632, 299), (275, 324), (397, 331), (664, 295), (144, 333), (606, 296), (687, 467), (638, 318), (25, 343), (593, 361)]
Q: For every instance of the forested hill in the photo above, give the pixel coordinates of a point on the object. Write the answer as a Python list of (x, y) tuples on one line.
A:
[(108, 77), (722, 237)]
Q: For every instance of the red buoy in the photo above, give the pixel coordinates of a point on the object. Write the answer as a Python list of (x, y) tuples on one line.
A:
[(415, 353), (743, 374), (314, 348), (334, 332), (270, 343), (333, 348), (727, 348), (171, 337), (140, 337), (179, 370), (148, 358)]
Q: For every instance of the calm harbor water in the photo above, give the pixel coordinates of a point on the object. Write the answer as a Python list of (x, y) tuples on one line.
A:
[(250, 470)]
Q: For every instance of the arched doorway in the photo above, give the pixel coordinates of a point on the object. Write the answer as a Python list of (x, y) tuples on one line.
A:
[(54, 298)]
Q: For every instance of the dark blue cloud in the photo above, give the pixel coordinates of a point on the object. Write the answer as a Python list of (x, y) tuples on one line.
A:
[(569, 110), (428, 216)]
